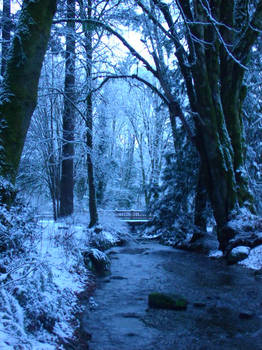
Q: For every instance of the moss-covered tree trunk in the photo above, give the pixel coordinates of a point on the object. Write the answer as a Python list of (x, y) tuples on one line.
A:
[(215, 146), (19, 94), (67, 174), (218, 83), (220, 35), (201, 199)]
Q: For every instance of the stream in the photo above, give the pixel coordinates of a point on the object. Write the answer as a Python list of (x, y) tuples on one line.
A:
[(224, 310)]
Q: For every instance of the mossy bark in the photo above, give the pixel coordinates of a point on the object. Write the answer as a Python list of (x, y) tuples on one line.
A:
[(201, 199), (217, 74), (19, 94)]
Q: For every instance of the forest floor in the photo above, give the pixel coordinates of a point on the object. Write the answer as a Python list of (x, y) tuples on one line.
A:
[(224, 302)]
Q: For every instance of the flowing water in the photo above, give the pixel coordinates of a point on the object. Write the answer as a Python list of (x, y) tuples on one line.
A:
[(224, 310)]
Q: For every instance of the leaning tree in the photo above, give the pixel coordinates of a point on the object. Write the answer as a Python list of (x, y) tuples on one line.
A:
[(18, 95)]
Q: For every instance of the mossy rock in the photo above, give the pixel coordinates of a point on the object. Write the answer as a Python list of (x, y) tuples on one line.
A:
[(96, 261), (167, 301)]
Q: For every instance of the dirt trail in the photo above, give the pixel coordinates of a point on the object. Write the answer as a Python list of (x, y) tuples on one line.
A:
[(224, 311)]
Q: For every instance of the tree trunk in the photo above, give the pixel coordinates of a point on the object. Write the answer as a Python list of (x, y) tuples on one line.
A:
[(54, 184), (67, 175), (101, 174), (6, 30), (89, 116), (201, 198), (19, 94), (90, 168), (53, 166), (218, 88)]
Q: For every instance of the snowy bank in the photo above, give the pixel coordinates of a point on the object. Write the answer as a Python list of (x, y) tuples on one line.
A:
[(40, 289)]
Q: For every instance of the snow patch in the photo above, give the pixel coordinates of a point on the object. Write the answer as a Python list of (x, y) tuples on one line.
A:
[(240, 250), (254, 260), (215, 254)]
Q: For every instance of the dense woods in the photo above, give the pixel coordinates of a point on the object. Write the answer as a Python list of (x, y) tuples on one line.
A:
[(151, 105), (193, 70)]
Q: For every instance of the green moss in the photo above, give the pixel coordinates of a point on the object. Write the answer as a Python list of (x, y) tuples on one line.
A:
[(19, 93), (166, 301)]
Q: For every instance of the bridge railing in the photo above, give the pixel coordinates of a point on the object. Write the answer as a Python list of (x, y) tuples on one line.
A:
[(128, 215)]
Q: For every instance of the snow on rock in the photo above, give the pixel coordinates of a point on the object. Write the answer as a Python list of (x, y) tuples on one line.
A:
[(97, 261), (254, 260), (237, 254), (215, 254), (244, 220), (104, 240), (98, 255)]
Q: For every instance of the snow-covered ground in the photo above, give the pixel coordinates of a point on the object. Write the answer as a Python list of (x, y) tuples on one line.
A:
[(56, 276), (39, 303)]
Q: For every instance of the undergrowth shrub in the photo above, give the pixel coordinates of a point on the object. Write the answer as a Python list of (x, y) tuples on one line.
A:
[(173, 208), (16, 222), (29, 299)]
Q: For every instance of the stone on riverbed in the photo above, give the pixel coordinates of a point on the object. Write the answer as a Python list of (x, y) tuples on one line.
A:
[(167, 301), (237, 254)]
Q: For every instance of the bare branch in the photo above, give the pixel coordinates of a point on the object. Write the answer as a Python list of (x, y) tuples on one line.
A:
[(109, 29), (133, 76)]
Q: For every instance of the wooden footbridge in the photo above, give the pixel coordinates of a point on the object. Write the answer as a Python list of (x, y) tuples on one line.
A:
[(132, 217)]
